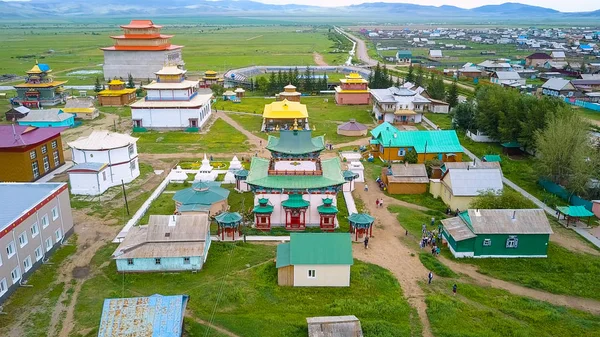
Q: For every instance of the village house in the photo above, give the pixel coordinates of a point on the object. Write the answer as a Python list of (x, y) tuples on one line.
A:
[(492, 66), (116, 94), (392, 144), (537, 59), (435, 54), (52, 118), (167, 243), (405, 178), (315, 260), (556, 87), (507, 78), (469, 71), (558, 55), (334, 326), (17, 113), (35, 220), (498, 233), (155, 316), (82, 108), (102, 160), (399, 105), (353, 89), (28, 153), (283, 115), (463, 181), (404, 56)]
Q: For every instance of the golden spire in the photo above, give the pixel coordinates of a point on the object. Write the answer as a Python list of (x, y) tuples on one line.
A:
[(296, 124)]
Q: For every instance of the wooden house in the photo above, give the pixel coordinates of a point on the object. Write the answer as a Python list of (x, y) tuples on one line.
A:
[(498, 233), (17, 113), (82, 107), (334, 326), (537, 59), (405, 179), (315, 260)]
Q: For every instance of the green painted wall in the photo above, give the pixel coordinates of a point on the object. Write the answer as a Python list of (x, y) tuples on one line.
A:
[(460, 246), (530, 244)]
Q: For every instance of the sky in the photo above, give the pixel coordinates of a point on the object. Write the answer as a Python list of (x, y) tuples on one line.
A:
[(561, 5)]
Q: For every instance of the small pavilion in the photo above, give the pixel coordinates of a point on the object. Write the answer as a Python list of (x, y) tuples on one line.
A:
[(574, 213), (289, 93), (295, 207), (361, 224), (327, 212), (262, 214), (240, 180), (239, 92), (352, 128), (229, 96), (202, 197), (229, 223), (511, 148)]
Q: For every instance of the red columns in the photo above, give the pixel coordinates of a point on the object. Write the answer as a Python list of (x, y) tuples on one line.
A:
[(371, 231)]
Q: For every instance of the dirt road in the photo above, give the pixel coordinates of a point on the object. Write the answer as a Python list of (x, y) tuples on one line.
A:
[(318, 59), (362, 51)]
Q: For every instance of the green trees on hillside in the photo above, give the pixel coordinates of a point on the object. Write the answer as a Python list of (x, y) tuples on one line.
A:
[(435, 87)]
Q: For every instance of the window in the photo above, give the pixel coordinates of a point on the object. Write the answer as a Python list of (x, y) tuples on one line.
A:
[(54, 213), (3, 286), (27, 263), (186, 260), (132, 165), (35, 230), (39, 253), (35, 169), (32, 155), (512, 241), (48, 244), (10, 249), (46, 164), (131, 150), (58, 235), (23, 239), (157, 261), (16, 274), (45, 221), (54, 144), (44, 149), (401, 152), (130, 262), (487, 242), (312, 273), (56, 158)]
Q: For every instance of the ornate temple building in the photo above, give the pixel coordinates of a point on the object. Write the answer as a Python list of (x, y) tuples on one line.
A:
[(282, 115), (352, 90), (140, 51), (116, 94), (40, 89), (289, 93), (295, 188), (171, 102), (210, 77)]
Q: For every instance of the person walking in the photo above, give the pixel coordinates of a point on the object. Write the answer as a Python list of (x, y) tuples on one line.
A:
[(381, 203), (429, 277), (377, 203), (454, 287), (432, 222), (366, 188), (423, 228), (437, 251), (366, 241)]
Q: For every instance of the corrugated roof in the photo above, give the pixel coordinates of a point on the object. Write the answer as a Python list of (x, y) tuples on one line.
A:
[(438, 141), (285, 109), (556, 84), (458, 229), (22, 135), (96, 167), (409, 173), (471, 182), (103, 140), (316, 249), (153, 316), (575, 211), (509, 221), (507, 75), (79, 103), (18, 198), (258, 176), (296, 142), (334, 326), (46, 115)]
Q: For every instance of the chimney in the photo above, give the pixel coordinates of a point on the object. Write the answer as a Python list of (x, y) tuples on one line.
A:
[(468, 167), (514, 216), (172, 220)]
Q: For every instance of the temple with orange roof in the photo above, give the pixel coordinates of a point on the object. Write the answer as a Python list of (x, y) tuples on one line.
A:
[(40, 89), (352, 90), (140, 51)]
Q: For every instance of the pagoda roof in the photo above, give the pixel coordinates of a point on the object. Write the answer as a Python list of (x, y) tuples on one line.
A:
[(290, 86), (228, 218), (296, 142), (259, 176), (40, 85), (327, 207), (210, 72), (140, 24), (361, 218), (241, 173), (353, 78), (201, 193), (115, 82), (171, 70), (141, 36), (39, 68), (295, 201), (142, 48), (113, 93), (285, 109)]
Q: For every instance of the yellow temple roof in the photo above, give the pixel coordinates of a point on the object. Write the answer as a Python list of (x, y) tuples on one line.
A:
[(210, 72), (110, 93), (116, 82), (41, 85), (285, 109), (339, 89), (353, 78), (39, 68)]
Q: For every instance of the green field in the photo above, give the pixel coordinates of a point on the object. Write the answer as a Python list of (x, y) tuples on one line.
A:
[(251, 303)]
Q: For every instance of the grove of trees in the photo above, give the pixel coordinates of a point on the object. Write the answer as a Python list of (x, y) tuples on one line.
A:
[(306, 83)]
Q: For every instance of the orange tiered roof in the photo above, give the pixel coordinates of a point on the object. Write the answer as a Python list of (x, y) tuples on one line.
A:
[(149, 48), (140, 24), (141, 36)]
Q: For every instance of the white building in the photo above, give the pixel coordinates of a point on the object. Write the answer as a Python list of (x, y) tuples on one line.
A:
[(205, 172), (234, 166), (172, 102), (507, 78), (399, 105), (102, 160)]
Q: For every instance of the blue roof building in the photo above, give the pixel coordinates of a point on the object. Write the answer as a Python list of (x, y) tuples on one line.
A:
[(153, 316)]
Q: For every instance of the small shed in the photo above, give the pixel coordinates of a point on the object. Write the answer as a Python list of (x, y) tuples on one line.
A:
[(574, 213), (229, 95), (334, 326), (229, 224), (352, 128), (361, 224), (511, 148), (155, 315), (82, 107), (89, 178), (239, 92), (53, 118), (17, 113), (240, 180), (492, 158), (202, 197), (405, 179), (315, 260)]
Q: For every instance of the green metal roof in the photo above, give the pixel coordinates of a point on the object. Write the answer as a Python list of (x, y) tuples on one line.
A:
[(296, 142), (361, 219), (374, 142), (315, 249), (332, 176), (438, 141), (327, 209), (575, 211), (263, 209), (327, 201), (295, 201), (241, 173), (349, 174), (492, 158), (194, 208), (511, 145), (228, 218), (202, 193)]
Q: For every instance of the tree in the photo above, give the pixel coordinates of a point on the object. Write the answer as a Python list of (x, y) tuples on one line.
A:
[(411, 157), (280, 83), (419, 81), (251, 84), (410, 77), (130, 83), (97, 85), (436, 88), (398, 84), (272, 84), (290, 76), (217, 90), (452, 95), (583, 68), (463, 116), (507, 199), (262, 84), (296, 78), (307, 83)]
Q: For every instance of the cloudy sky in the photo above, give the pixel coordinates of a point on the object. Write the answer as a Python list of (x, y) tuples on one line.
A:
[(561, 5)]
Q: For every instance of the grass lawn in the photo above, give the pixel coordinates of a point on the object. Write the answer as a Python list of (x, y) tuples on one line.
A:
[(324, 116), (222, 138), (483, 311), (412, 219), (444, 121), (251, 303), (252, 123), (587, 113)]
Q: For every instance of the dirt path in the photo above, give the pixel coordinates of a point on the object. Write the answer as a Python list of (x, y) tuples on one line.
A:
[(212, 326), (573, 244), (254, 37), (254, 140), (387, 251), (584, 304), (318, 59)]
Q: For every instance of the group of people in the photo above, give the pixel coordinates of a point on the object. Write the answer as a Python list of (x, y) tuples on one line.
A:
[(431, 238), (449, 212), (379, 203)]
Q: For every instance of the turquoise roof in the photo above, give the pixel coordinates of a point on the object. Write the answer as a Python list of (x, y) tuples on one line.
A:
[(259, 176), (295, 201), (361, 219), (296, 142), (201, 193), (315, 249), (194, 208), (492, 158), (575, 211), (438, 141), (512, 145), (267, 209), (241, 173), (228, 218)]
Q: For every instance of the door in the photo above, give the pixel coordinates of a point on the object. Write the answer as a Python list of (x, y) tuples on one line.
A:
[(295, 218), (137, 123), (193, 122)]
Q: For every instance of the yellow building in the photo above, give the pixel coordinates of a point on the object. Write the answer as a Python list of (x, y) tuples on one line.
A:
[(352, 90), (210, 78), (116, 94), (282, 115)]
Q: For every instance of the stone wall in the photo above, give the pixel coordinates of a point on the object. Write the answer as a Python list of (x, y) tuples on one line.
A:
[(140, 64)]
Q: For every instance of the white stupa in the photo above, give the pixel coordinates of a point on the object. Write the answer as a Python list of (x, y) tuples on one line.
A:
[(205, 172), (234, 166), (177, 175)]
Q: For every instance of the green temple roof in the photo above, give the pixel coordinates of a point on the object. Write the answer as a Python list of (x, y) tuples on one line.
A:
[(228, 218), (267, 209), (438, 141), (259, 176), (349, 174), (241, 173), (361, 219), (296, 142), (327, 209), (315, 249), (201, 193), (295, 201)]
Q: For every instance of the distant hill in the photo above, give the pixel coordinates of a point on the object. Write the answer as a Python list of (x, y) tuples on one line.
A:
[(368, 11)]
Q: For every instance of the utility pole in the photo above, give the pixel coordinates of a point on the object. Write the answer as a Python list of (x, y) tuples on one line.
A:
[(125, 196)]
